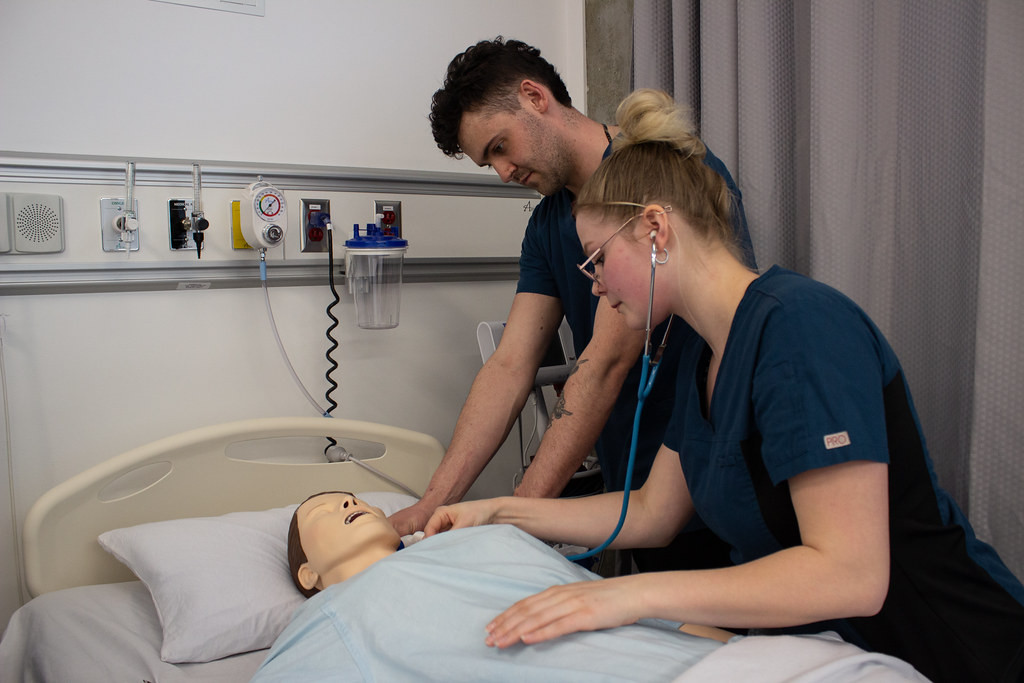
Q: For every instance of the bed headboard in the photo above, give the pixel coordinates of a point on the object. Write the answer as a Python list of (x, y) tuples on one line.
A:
[(204, 472)]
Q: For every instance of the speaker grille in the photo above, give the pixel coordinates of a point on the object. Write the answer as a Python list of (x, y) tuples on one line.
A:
[(37, 223)]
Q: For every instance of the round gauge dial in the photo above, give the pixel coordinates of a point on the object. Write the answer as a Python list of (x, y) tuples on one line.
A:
[(268, 203)]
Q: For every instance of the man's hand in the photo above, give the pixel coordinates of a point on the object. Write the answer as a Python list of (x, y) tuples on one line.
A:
[(411, 519)]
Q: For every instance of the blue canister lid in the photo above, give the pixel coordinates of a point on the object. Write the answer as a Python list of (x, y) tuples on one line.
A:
[(373, 238)]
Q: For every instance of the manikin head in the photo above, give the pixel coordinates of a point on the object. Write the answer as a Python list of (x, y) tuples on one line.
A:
[(333, 536), (504, 106)]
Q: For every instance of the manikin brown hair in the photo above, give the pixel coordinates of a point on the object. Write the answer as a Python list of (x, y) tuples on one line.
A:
[(296, 555)]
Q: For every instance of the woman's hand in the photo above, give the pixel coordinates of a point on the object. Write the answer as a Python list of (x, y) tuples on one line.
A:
[(583, 606), (462, 515)]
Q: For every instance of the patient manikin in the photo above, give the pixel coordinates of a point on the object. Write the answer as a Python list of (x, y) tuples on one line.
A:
[(382, 612), (378, 612)]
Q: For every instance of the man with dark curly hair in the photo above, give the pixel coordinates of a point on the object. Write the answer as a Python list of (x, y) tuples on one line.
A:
[(506, 107)]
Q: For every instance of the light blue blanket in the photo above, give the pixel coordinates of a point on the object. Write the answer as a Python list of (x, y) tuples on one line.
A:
[(420, 615)]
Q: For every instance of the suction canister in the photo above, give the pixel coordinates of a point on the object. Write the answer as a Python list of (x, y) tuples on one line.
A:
[(373, 268)]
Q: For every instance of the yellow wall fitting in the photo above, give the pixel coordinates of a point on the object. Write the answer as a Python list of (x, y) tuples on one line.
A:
[(237, 241)]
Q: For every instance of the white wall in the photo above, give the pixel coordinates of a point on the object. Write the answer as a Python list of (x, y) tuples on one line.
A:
[(313, 82), (89, 375)]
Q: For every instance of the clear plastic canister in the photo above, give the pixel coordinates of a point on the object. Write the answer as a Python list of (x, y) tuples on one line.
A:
[(373, 269)]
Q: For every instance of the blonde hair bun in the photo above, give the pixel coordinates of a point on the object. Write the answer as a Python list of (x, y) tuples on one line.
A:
[(651, 116)]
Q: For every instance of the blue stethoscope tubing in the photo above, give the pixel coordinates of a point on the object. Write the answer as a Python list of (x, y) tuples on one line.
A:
[(647, 374)]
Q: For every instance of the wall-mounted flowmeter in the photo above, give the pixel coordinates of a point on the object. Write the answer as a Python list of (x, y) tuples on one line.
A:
[(263, 216), (186, 221), (119, 218)]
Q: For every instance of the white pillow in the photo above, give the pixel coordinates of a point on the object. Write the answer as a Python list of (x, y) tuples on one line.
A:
[(221, 585)]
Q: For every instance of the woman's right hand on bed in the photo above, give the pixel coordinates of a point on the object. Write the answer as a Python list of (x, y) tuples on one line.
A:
[(462, 515)]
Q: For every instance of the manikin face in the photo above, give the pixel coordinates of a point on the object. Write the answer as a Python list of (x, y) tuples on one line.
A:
[(520, 146), (622, 267), (341, 535)]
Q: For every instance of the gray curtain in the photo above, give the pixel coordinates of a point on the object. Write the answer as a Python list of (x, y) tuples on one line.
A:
[(877, 148)]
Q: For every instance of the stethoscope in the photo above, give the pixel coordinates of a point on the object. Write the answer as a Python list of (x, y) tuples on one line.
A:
[(648, 371)]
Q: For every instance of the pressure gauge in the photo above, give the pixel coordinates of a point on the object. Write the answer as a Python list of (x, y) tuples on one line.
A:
[(264, 223), (268, 203)]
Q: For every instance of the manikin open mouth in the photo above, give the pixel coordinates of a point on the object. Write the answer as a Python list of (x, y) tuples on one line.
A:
[(355, 514)]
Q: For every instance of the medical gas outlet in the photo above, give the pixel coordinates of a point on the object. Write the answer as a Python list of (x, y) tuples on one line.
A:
[(263, 216), (390, 213), (179, 219), (119, 229), (312, 235)]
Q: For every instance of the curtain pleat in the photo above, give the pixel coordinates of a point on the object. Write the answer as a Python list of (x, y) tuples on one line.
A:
[(996, 461)]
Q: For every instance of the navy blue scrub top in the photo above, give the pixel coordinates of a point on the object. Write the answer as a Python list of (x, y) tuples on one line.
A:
[(806, 381)]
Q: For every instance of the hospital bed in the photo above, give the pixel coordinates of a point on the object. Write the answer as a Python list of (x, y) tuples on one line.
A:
[(201, 518)]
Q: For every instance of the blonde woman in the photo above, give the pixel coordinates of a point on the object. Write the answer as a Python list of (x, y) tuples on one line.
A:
[(793, 436)]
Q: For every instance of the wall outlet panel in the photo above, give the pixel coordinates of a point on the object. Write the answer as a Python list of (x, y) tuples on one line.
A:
[(179, 221), (110, 236), (391, 209), (312, 238)]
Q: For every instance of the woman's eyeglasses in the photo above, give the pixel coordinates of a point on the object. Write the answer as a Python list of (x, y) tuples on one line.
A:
[(588, 266)]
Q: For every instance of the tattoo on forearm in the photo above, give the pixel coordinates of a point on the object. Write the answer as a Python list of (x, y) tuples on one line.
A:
[(559, 410)]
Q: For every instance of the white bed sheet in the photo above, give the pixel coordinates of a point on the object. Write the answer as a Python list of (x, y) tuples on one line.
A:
[(818, 658), (107, 633), (111, 632)]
